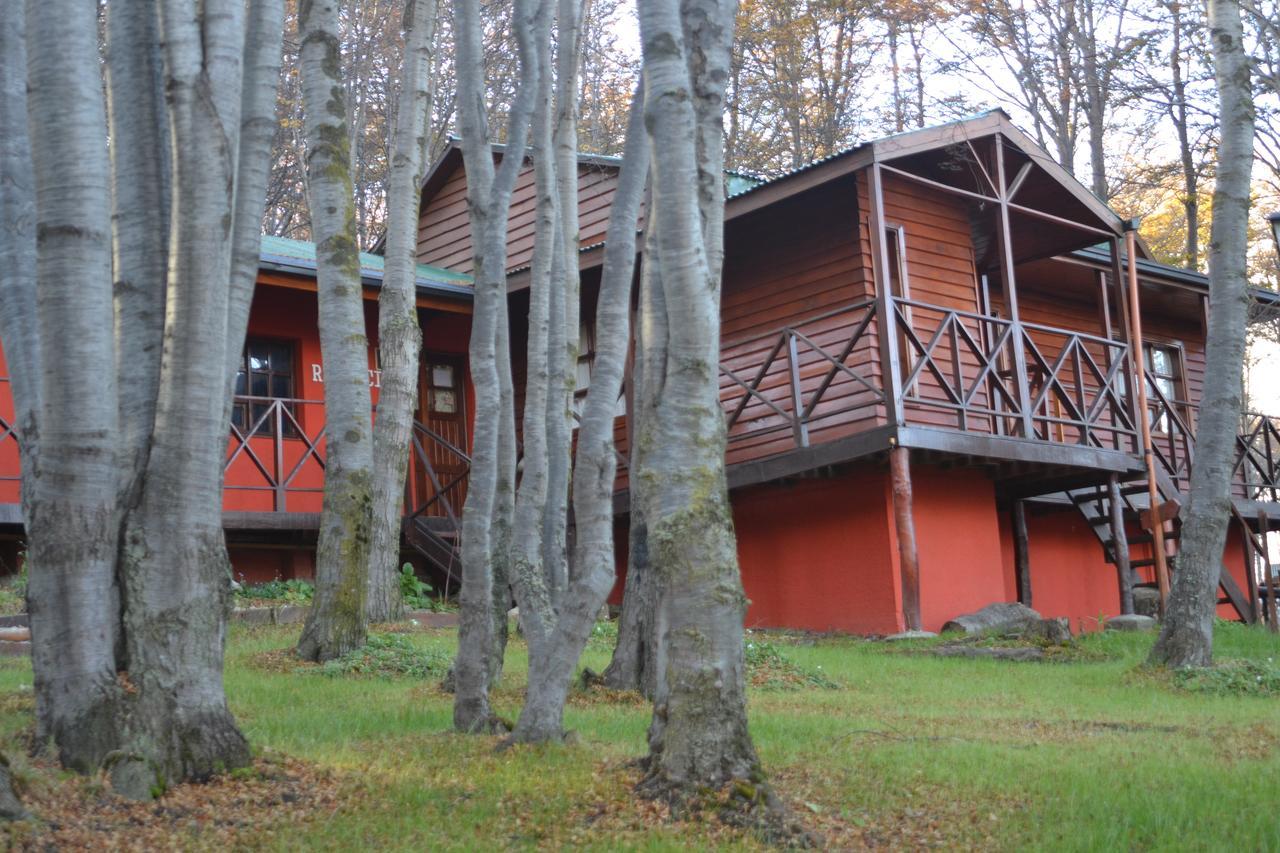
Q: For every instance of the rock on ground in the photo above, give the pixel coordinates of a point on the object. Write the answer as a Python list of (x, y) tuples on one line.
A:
[(999, 617), (1131, 622), (910, 635), (1146, 601)]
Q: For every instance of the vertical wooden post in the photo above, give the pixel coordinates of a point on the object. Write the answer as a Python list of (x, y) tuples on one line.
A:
[(886, 319), (1120, 544), (900, 477), (1144, 424), (1273, 582), (799, 428), (1011, 295), (1269, 607), (277, 439), (1250, 572), (1021, 554)]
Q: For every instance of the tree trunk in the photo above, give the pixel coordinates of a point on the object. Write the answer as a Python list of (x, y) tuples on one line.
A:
[(552, 663), (635, 662), (1190, 177), (71, 521), (1186, 638), (490, 488), (698, 736), (399, 338), (336, 623)]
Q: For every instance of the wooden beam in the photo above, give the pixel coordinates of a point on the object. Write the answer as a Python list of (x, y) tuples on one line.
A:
[(904, 523), (1120, 544), (1021, 554), (885, 315), (1144, 423), (1272, 582), (1011, 295)]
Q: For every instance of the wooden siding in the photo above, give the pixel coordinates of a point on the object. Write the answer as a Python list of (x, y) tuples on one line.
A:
[(444, 229), (778, 275)]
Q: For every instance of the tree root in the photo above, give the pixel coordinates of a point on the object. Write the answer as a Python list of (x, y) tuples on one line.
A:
[(747, 804)]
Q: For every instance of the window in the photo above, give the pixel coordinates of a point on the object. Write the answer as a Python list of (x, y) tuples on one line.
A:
[(266, 373), (1164, 368), (582, 378)]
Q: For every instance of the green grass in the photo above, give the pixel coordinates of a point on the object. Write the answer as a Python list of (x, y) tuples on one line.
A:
[(905, 751)]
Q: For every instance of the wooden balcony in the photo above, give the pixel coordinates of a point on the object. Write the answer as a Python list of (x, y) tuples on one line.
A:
[(816, 394)]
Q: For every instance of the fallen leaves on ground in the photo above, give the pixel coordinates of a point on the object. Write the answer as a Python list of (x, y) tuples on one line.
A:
[(248, 808)]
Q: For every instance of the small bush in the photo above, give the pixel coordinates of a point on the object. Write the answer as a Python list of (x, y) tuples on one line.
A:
[(1232, 678), (288, 592), (769, 667), (390, 656), (415, 593)]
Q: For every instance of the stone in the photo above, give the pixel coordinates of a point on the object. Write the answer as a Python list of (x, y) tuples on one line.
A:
[(289, 614), (1131, 622), (252, 615), (1055, 631), (1146, 601), (910, 635), (1001, 617)]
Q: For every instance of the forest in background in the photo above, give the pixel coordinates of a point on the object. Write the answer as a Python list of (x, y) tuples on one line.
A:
[(1120, 92)]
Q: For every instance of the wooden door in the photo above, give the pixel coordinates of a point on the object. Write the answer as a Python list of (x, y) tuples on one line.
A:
[(439, 466)]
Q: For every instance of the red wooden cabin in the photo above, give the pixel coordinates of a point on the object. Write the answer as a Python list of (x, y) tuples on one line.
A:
[(948, 299)]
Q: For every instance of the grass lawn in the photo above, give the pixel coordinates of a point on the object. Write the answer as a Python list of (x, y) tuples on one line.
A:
[(906, 751)]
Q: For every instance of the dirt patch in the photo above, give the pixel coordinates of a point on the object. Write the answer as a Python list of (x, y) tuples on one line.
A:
[(252, 807)]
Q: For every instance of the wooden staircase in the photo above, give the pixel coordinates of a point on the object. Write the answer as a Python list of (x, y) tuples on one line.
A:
[(1095, 504), (439, 541)]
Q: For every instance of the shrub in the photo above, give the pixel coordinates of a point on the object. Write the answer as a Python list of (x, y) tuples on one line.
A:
[(291, 591), (415, 593), (769, 667), (1232, 678), (390, 656)]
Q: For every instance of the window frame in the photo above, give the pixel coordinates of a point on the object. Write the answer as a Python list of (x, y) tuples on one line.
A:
[(243, 404)]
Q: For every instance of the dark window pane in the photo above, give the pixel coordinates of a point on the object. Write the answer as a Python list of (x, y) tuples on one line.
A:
[(281, 360), (237, 417), (259, 385), (257, 360), (259, 409), (281, 386), (240, 384)]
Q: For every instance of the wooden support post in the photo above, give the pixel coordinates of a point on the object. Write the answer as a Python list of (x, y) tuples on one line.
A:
[(1264, 587), (1021, 556), (1272, 582), (900, 477), (1011, 295), (1120, 544), (886, 318), (1250, 573), (1144, 419)]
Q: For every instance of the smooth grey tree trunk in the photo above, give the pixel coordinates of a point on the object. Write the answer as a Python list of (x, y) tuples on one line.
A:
[(399, 337), (1186, 637), (636, 658), (491, 483), (71, 518), (556, 646), (698, 736), (337, 623)]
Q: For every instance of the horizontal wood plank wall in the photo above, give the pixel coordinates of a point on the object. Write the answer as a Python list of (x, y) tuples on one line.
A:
[(939, 271), (793, 265), (444, 230)]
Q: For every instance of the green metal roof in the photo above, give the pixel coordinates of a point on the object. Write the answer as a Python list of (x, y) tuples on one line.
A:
[(300, 256)]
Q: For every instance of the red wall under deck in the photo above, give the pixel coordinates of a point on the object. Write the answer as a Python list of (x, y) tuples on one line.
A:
[(1069, 575), (818, 554), (958, 542)]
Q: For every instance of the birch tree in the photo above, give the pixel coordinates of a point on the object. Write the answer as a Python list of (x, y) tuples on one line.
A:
[(337, 623), (557, 636), (124, 422), (698, 735), (399, 338), (1186, 637), (490, 488)]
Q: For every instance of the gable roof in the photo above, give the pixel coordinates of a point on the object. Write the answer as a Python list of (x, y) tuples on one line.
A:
[(282, 254)]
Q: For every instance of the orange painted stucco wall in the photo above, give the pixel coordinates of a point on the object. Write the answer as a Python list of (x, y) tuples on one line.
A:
[(817, 554), (958, 542)]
